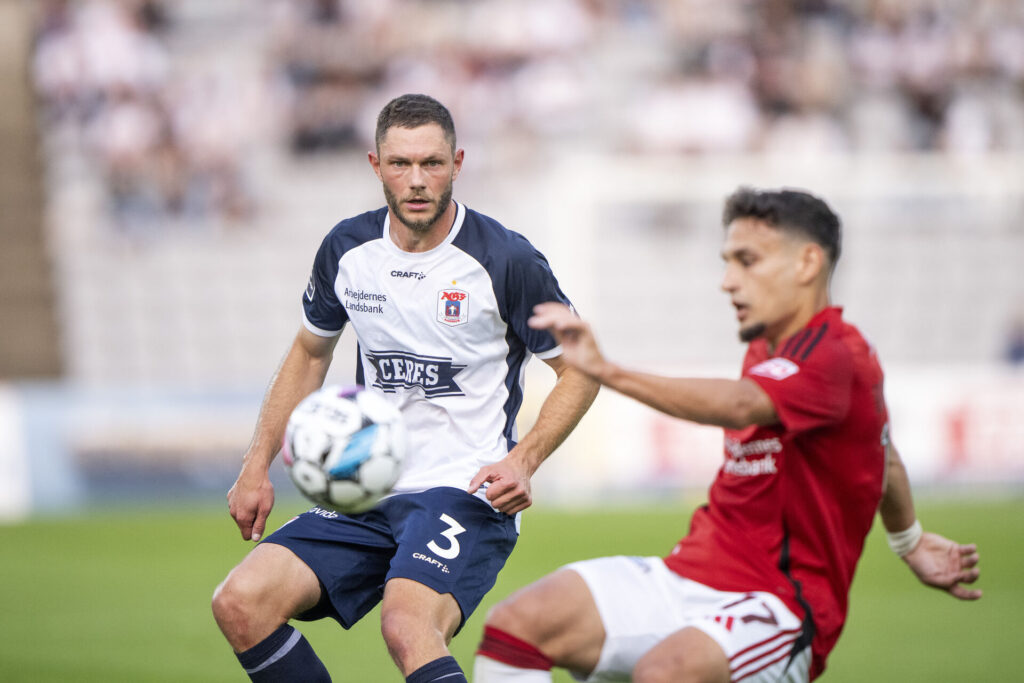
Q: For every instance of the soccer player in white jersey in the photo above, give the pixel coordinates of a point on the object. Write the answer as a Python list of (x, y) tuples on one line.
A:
[(439, 297)]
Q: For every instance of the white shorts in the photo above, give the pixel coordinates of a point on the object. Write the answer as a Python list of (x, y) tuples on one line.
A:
[(641, 602)]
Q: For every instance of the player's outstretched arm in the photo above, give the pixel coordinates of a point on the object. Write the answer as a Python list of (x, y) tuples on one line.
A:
[(935, 560), (729, 403), (301, 372), (509, 479)]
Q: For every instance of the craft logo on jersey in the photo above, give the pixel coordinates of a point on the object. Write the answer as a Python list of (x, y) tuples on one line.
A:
[(403, 370), (408, 274), (311, 288), (452, 307)]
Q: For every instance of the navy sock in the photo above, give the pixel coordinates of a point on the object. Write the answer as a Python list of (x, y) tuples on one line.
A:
[(443, 670), (283, 657)]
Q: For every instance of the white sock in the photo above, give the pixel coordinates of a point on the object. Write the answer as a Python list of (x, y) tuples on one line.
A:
[(487, 670)]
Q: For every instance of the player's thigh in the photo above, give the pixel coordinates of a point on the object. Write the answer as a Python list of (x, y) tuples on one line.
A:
[(759, 640), (692, 655), (642, 603), (634, 604), (271, 581), (556, 614), (348, 554), (686, 656)]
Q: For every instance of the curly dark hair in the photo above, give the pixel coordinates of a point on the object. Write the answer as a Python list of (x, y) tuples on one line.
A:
[(788, 210)]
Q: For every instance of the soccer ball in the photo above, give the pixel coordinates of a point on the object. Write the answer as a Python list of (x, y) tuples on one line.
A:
[(344, 447)]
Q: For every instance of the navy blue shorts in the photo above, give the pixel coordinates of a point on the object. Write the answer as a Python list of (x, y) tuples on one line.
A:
[(443, 538)]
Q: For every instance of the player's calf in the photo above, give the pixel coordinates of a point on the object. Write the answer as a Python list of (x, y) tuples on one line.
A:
[(552, 622), (503, 658), (283, 656)]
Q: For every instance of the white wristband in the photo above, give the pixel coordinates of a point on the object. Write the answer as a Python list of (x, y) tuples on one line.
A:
[(902, 542)]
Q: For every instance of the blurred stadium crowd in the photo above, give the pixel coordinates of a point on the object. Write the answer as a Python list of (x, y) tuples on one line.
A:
[(168, 141), (688, 76), (195, 152)]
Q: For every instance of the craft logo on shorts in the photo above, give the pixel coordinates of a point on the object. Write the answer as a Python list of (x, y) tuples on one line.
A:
[(775, 368), (452, 307), (430, 560)]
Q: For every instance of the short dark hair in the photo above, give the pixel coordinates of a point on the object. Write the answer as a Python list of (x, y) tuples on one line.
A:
[(413, 111), (790, 210)]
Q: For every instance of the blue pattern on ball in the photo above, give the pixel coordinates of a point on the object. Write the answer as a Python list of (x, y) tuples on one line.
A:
[(355, 454)]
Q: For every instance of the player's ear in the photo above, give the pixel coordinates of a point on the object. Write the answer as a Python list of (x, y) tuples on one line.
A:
[(374, 163), (457, 162), (810, 262)]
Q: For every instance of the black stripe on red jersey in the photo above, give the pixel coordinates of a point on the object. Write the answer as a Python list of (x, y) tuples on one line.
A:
[(789, 343), (792, 347), (807, 628), (817, 338)]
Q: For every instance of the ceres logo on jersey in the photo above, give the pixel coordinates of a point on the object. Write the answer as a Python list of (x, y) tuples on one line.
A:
[(435, 375), (775, 368), (452, 307)]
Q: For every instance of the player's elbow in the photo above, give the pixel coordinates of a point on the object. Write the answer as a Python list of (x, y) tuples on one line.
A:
[(747, 406), (735, 419)]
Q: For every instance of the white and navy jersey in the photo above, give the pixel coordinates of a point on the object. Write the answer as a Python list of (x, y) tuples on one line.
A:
[(441, 333)]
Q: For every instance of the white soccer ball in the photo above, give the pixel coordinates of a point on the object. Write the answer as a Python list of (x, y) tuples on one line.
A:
[(344, 447)]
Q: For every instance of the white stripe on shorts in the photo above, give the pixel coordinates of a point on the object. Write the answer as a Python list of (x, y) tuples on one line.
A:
[(762, 655)]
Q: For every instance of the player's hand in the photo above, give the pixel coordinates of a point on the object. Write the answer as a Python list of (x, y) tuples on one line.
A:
[(579, 346), (249, 502), (946, 565), (508, 487)]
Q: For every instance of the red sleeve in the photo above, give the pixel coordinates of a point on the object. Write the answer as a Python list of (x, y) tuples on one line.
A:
[(808, 393)]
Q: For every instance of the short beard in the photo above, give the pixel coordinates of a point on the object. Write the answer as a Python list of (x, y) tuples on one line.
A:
[(749, 334), (424, 225)]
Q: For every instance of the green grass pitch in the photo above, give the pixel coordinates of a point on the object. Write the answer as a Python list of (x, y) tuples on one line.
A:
[(124, 595)]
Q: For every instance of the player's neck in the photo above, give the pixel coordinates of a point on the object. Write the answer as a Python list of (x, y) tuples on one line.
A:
[(799, 319), (416, 241)]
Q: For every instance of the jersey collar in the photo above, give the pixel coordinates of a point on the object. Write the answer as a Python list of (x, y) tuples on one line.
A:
[(825, 315), (389, 244)]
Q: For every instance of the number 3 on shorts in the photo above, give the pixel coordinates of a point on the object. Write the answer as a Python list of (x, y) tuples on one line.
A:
[(453, 530)]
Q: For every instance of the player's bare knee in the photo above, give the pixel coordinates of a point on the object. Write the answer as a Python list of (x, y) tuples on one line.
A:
[(228, 610), (645, 672), (659, 672), (240, 604), (695, 668), (232, 605), (396, 623), (510, 616), (532, 615), (401, 629)]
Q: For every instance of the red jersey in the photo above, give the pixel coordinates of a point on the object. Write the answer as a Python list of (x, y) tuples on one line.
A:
[(790, 508)]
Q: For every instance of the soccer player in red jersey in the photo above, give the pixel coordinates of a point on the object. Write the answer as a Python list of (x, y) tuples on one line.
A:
[(757, 590)]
